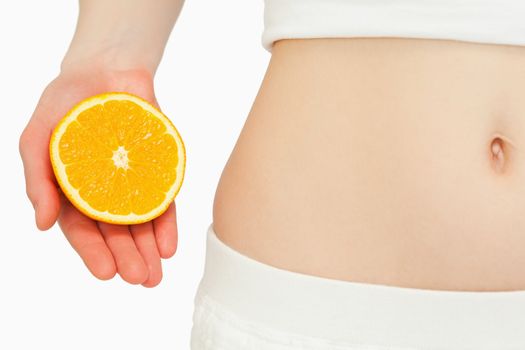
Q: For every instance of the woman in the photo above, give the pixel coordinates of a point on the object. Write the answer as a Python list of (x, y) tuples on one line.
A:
[(375, 196)]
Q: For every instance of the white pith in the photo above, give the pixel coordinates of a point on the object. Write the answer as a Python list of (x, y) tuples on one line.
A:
[(120, 158)]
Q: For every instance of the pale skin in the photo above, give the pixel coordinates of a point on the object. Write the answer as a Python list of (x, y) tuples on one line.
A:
[(117, 46)]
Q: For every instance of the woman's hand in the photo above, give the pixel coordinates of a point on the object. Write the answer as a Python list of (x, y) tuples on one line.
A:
[(133, 251)]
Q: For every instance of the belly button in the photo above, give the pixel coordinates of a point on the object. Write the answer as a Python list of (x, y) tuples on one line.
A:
[(498, 154)]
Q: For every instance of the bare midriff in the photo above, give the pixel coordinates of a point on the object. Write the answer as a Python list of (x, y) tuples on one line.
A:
[(391, 161)]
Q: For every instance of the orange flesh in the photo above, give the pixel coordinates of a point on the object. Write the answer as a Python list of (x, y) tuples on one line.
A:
[(119, 157)]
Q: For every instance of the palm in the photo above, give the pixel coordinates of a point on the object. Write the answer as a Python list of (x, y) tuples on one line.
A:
[(133, 251)]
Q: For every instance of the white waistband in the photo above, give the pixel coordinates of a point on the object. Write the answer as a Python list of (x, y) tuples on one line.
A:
[(361, 313)]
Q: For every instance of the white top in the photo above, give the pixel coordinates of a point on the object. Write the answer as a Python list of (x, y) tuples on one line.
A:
[(485, 21)]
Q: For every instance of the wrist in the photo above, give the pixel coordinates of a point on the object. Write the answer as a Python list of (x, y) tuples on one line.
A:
[(107, 57), (81, 81), (133, 38)]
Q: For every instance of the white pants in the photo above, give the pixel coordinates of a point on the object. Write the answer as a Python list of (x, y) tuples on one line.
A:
[(242, 303)]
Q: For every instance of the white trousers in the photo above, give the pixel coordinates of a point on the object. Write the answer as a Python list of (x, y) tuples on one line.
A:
[(242, 303)]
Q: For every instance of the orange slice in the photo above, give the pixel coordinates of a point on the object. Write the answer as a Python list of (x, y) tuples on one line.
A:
[(118, 159)]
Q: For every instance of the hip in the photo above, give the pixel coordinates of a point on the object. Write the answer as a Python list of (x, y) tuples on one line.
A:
[(389, 161), (241, 303)]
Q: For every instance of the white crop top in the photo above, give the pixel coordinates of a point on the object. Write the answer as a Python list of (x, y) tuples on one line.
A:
[(485, 21)]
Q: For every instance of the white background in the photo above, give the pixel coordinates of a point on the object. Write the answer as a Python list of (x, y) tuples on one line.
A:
[(210, 74)]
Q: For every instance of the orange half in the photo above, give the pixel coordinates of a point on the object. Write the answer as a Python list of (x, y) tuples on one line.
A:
[(118, 159)]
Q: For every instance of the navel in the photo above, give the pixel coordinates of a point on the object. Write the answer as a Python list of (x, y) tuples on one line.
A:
[(498, 154)]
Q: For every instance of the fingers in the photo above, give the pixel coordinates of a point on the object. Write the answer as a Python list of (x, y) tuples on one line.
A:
[(130, 264), (166, 233), (40, 185), (107, 249), (144, 238), (84, 236)]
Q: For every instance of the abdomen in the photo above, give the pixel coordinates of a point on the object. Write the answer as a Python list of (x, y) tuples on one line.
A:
[(390, 161)]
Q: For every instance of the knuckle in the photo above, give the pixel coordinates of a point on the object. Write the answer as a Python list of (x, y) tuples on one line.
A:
[(31, 192), (84, 247), (23, 140)]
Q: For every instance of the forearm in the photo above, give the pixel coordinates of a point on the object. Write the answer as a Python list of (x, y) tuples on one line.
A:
[(122, 34)]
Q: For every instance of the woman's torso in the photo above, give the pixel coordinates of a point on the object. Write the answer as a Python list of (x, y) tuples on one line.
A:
[(369, 160)]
